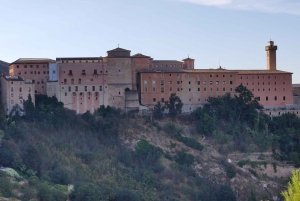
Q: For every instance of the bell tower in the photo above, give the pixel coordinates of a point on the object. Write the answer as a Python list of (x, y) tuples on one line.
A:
[(271, 55)]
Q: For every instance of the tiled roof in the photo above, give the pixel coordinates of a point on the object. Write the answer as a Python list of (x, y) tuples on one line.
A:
[(240, 72), (161, 71), (119, 50), (79, 58), (166, 61), (188, 59), (32, 61), (218, 70), (139, 55)]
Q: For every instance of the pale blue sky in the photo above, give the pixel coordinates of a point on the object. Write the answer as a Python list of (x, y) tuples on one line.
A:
[(234, 31)]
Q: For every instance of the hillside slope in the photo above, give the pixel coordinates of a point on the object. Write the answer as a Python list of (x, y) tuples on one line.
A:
[(209, 155), (3, 67)]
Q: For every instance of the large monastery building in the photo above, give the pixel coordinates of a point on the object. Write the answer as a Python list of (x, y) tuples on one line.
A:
[(138, 81)]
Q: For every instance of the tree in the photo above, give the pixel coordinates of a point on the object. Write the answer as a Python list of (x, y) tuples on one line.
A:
[(158, 111), (86, 191), (293, 191), (174, 105), (28, 108), (225, 193)]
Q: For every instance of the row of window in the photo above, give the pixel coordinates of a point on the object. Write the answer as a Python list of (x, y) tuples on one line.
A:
[(83, 72), (20, 89), (79, 81), (94, 88), (81, 61), (163, 100), (267, 99), (12, 101), (166, 65), (275, 98), (162, 82), (263, 77), (31, 66), (34, 72), (198, 76), (263, 83), (162, 89)]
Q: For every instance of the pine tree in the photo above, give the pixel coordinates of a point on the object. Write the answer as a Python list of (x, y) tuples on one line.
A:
[(174, 105), (293, 191), (158, 111), (28, 108)]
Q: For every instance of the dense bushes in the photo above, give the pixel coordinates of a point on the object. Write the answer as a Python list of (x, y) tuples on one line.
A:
[(176, 133)]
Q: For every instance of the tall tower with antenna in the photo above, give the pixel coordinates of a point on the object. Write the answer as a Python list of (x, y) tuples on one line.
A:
[(271, 55)]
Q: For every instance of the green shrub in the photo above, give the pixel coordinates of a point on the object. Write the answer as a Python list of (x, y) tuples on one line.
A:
[(126, 195), (86, 192), (183, 158), (5, 187), (148, 153), (60, 176), (225, 193)]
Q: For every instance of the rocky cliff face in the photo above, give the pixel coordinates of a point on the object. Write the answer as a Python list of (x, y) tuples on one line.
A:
[(251, 178)]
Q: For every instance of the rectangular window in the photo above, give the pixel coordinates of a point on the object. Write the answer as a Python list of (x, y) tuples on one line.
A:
[(154, 99), (210, 82), (170, 82), (153, 83), (69, 88), (217, 88), (267, 98), (85, 88), (217, 82), (284, 98), (224, 83), (230, 89), (211, 89), (95, 72), (146, 89), (162, 83), (204, 82), (223, 89), (70, 72), (198, 82), (66, 94), (178, 89), (65, 81), (72, 81), (231, 82), (76, 88), (100, 88), (275, 98), (198, 89), (258, 98), (162, 90), (153, 89), (204, 88), (275, 83), (230, 75), (189, 82), (178, 82), (79, 81), (162, 100), (145, 82), (170, 88), (189, 89), (93, 88)]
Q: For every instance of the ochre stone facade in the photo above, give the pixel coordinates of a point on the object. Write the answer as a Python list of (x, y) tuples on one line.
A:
[(138, 81)]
